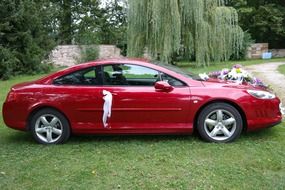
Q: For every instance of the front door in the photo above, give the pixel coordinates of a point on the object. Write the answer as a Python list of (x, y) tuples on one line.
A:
[(136, 104)]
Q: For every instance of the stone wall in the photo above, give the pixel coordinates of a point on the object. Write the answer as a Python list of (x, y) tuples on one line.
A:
[(277, 52), (255, 51), (67, 55)]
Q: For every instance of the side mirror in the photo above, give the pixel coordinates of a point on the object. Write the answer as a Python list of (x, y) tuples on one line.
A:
[(163, 86)]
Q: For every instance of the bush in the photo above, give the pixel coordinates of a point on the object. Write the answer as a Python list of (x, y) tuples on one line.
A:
[(7, 63), (88, 53), (123, 47)]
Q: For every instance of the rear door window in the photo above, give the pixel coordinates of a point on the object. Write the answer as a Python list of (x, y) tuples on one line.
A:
[(87, 76)]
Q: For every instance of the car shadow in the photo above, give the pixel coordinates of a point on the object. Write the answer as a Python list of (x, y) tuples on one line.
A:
[(262, 134), (16, 137), (129, 138)]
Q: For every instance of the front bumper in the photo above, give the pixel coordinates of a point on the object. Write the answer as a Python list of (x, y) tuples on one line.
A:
[(263, 114)]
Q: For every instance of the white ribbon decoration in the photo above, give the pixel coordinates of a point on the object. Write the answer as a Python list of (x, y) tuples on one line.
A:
[(107, 107)]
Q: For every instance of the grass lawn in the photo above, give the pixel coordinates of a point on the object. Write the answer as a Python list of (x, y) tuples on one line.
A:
[(255, 161), (281, 69)]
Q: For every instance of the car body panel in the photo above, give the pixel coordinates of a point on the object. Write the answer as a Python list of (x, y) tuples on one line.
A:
[(141, 109)]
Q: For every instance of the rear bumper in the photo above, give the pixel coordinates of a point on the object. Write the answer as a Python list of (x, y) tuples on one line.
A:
[(13, 117)]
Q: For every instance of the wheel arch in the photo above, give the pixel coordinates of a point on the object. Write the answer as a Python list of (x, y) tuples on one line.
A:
[(40, 107), (232, 103)]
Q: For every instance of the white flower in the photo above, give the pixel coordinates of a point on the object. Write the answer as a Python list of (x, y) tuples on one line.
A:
[(204, 76)]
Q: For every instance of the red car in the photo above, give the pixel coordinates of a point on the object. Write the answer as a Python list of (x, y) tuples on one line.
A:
[(136, 97)]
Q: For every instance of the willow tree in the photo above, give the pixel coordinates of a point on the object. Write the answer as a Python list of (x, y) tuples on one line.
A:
[(206, 30)]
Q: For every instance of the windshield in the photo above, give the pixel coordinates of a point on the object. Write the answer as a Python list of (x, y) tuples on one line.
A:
[(180, 71)]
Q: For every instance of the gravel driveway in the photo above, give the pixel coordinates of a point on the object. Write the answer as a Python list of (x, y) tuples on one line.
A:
[(269, 74)]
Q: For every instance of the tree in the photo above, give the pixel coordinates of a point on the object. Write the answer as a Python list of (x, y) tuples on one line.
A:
[(30, 29), (24, 40), (205, 30), (75, 21), (263, 19), (88, 21), (114, 27), (66, 26)]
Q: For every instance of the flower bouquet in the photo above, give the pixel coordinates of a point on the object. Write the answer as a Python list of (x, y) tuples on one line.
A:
[(236, 74)]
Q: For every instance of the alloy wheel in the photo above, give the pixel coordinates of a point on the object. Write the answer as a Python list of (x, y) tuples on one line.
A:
[(48, 128), (220, 125)]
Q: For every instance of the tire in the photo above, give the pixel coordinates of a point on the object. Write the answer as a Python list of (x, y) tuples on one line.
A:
[(49, 126), (220, 123)]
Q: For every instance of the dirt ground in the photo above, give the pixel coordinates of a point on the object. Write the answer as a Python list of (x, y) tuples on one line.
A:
[(269, 74)]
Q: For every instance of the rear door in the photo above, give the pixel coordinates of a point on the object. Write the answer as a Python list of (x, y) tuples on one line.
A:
[(79, 95)]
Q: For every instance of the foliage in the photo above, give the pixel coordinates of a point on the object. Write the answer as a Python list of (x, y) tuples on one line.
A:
[(30, 29), (116, 28), (207, 30), (7, 63), (24, 41), (89, 22), (113, 30), (77, 21), (242, 54), (264, 20), (88, 53)]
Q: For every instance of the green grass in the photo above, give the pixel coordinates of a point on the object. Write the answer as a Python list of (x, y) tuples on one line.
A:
[(281, 69), (255, 161)]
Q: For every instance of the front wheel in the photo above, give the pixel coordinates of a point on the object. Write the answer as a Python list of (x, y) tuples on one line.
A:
[(49, 126), (220, 122)]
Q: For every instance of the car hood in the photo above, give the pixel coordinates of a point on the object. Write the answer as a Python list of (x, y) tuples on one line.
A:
[(230, 84)]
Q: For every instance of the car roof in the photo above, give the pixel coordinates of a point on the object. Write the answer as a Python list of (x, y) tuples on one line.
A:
[(116, 61), (138, 61), (109, 61)]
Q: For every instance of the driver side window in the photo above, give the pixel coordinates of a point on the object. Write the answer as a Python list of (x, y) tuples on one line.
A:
[(129, 75), (135, 75)]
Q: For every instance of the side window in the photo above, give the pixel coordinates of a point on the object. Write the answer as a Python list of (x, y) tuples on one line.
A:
[(128, 74), (82, 77), (171, 80)]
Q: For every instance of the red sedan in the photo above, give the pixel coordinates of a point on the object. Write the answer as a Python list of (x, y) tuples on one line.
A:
[(136, 97)]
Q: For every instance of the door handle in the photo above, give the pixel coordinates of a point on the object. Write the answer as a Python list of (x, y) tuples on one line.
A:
[(113, 93)]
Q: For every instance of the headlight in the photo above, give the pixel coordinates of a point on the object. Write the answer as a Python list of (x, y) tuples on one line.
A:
[(261, 94)]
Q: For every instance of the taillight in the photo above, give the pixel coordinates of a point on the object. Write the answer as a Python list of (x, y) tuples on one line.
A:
[(11, 96)]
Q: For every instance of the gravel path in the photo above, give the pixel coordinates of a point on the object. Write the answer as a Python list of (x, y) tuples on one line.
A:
[(268, 73)]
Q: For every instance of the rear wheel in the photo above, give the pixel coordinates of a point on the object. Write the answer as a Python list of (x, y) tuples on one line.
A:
[(49, 126), (220, 122)]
